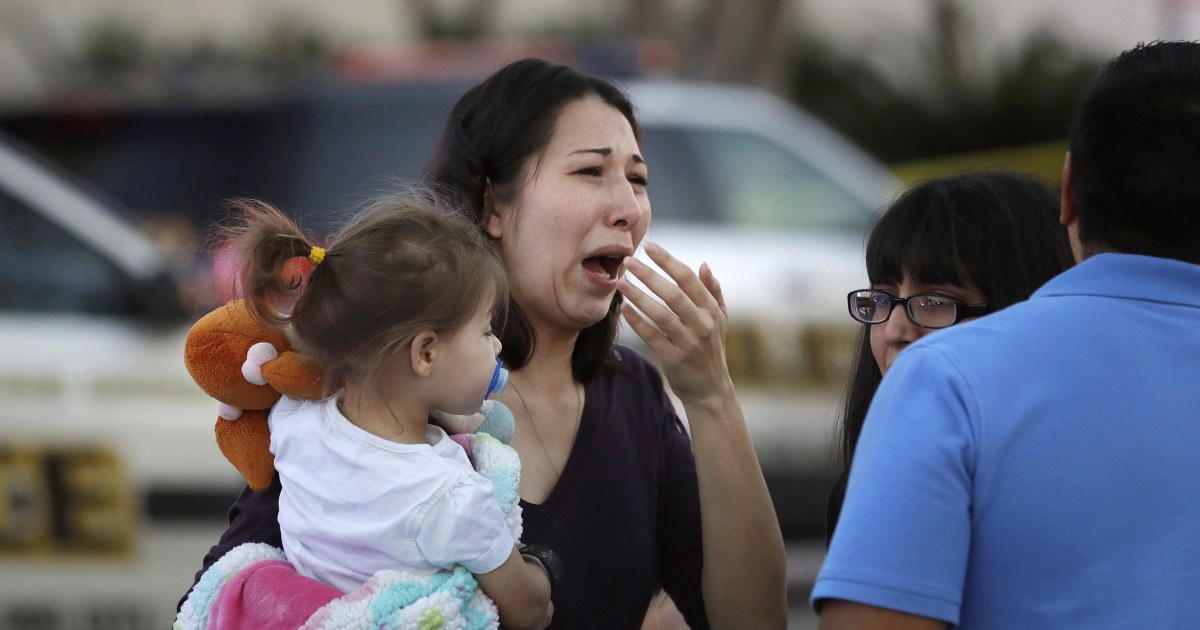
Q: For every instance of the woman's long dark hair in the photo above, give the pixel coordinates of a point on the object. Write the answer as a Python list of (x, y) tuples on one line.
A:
[(996, 230), (493, 137)]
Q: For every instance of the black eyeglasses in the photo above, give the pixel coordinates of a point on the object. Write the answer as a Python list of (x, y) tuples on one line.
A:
[(928, 310)]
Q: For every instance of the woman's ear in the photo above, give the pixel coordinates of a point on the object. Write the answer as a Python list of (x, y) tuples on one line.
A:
[(423, 353), (493, 221)]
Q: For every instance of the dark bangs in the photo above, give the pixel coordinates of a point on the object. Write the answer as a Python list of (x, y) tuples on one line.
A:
[(921, 236), (996, 230)]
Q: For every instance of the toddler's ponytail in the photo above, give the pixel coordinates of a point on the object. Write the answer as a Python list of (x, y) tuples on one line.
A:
[(274, 258)]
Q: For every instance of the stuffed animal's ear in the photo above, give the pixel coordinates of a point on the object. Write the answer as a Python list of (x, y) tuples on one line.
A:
[(296, 375)]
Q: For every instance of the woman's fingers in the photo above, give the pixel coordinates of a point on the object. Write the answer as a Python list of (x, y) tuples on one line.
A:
[(689, 298), (694, 300), (686, 329), (644, 329), (688, 323), (685, 279), (662, 316), (676, 315), (677, 302), (713, 285)]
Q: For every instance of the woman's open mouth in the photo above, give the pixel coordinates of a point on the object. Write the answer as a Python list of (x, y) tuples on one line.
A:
[(603, 269)]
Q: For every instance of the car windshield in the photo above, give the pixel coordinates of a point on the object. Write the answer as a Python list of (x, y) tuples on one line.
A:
[(738, 178), (45, 269)]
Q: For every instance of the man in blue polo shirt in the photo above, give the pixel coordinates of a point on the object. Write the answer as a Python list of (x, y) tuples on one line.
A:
[(1040, 467)]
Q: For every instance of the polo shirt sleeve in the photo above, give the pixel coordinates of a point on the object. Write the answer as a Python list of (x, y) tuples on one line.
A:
[(903, 538), (465, 526)]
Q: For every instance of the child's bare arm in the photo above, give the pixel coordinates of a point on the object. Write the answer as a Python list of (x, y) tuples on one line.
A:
[(521, 590)]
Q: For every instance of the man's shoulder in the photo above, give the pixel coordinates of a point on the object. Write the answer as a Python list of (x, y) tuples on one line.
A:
[(1067, 304), (984, 353), (1022, 322), (1129, 277)]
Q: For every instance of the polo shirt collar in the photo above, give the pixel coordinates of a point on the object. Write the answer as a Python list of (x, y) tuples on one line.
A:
[(1129, 276)]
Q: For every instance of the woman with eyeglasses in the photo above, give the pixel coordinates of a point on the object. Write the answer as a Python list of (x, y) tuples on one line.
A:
[(946, 251)]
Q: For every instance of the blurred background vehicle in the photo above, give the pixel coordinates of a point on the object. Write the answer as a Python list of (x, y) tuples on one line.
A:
[(773, 200), (105, 443)]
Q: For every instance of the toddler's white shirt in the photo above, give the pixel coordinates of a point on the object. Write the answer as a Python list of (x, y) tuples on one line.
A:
[(354, 503)]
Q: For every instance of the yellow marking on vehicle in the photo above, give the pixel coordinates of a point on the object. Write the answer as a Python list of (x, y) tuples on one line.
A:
[(831, 351), (745, 353), (814, 356), (64, 501)]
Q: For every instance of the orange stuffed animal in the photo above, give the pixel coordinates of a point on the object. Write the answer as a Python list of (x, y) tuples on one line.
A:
[(247, 367)]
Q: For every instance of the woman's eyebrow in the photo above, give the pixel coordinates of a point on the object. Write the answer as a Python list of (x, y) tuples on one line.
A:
[(606, 151)]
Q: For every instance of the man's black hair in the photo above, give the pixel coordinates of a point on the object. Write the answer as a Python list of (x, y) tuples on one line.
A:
[(1135, 154)]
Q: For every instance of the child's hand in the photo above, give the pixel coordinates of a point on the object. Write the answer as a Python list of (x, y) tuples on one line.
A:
[(521, 590)]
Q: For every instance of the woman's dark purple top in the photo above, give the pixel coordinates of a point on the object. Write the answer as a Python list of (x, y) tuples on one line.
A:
[(624, 516)]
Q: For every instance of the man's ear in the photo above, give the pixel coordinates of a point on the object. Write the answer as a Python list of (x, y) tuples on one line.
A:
[(493, 221), (423, 353), (1066, 209), (1067, 215)]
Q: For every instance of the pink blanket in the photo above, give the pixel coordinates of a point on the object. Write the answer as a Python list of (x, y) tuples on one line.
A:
[(269, 595)]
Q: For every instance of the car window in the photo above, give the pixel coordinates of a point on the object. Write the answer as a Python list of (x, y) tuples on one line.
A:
[(44, 269), (754, 182), (678, 191)]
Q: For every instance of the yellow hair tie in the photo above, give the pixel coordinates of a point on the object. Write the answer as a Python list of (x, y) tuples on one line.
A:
[(316, 255)]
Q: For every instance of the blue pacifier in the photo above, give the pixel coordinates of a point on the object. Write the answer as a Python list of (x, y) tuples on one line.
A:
[(499, 380)]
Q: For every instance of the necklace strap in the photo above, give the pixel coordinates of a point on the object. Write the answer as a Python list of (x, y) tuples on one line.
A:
[(537, 434)]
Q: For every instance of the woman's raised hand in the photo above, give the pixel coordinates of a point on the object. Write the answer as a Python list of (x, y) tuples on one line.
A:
[(742, 580), (686, 329)]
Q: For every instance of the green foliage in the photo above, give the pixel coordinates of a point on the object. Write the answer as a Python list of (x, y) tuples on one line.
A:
[(953, 105), (113, 48), (121, 58)]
